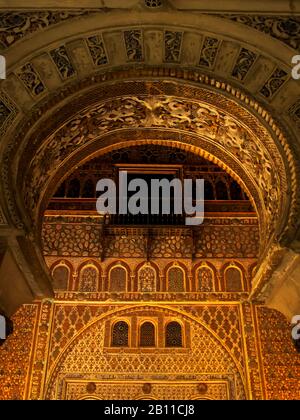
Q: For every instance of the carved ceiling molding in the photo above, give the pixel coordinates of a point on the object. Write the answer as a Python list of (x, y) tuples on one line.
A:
[(15, 25)]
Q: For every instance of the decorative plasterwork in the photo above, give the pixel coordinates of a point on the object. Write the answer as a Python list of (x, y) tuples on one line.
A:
[(8, 112), (166, 112), (239, 136), (16, 25), (176, 124), (284, 28), (223, 355)]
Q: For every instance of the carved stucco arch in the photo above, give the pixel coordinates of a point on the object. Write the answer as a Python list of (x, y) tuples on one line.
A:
[(213, 122), (229, 107), (233, 363), (29, 113)]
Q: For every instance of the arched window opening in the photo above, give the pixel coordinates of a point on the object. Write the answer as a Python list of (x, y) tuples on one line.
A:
[(173, 334), (118, 279), (236, 191), (233, 280), (147, 335), (175, 280), (73, 189), (60, 278), (120, 334), (221, 191), (89, 189)]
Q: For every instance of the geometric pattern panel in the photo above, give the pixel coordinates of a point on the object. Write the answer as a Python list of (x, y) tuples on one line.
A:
[(205, 280), (281, 362), (141, 390), (15, 354), (88, 281), (86, 357), (175, 280), (147, 280)]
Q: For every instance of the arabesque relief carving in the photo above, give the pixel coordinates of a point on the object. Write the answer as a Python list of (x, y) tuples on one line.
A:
[(168, 112)]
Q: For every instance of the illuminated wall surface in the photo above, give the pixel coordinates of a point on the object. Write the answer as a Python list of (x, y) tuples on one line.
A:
[(61, 350), (144, 306)]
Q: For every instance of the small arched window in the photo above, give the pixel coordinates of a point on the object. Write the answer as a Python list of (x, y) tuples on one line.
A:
[(147, 279), (60, 277), (120, 334), (88, 281), (173, 334), (175, 280), (233, 280), (235, 191), (61, 191), (89, 189), (208, 190), (205, 280), (147, 335), (73, 188), (221, 191), (117, 277)]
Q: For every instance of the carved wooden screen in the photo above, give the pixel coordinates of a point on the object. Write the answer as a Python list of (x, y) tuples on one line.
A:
[(175, 280), (147, 335), (120, 334), (147, 279), (60, 278), (233, 280), (173, 335), (205, 280), (118, 279), (88, 281)]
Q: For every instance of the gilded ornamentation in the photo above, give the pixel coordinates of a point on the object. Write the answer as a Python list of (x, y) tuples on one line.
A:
[(280, 358), (206, 355), (215, 239)]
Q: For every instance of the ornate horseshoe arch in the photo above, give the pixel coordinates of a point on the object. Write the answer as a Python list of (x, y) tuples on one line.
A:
[(62, 121)]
